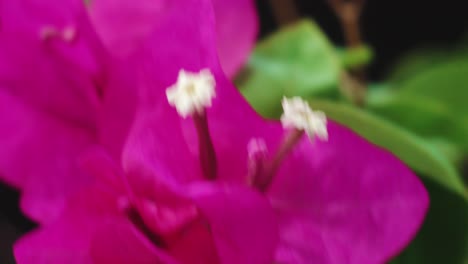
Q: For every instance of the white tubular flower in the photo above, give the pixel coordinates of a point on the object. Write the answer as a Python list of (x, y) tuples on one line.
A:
[(193, 92), (298, 114)]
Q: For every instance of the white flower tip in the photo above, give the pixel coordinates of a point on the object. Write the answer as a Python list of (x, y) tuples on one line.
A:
[(256, 147), (298, 114), (68, 34), (257, 154), (193, 92)]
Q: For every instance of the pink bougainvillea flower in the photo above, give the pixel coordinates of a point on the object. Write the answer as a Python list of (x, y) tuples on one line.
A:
[(313, 193), (54, 100), (131, 217), (61, 92), (125, 24), (237, 28)]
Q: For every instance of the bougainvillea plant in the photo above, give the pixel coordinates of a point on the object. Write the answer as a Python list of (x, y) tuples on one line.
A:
[(204, 179)]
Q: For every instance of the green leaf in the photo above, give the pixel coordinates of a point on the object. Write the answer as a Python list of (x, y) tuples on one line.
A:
[(446, 83), (355, 57), (418, 61), (422, 59), (298, 60), (444, 235), (425, 116), (428, 95), (451, 151), (414, 151)]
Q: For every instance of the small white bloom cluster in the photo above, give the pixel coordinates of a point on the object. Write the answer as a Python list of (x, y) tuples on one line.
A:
[(193, 92), (298, 114)]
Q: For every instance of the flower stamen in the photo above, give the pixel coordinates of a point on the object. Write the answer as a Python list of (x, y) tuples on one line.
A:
[(271, 166), (205, 146), (191, 95), (257, 155), (298, 115), (301, 119)]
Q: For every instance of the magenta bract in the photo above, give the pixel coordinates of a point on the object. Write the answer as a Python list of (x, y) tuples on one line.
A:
[(340, 201)]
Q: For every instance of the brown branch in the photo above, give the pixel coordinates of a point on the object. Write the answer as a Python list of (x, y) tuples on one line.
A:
[(285, 11), (349, 13)]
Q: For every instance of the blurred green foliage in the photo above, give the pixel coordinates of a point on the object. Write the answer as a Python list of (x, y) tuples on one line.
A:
[(355, 57), (419, 155), (431, 103), (420, 114), (309, 65)]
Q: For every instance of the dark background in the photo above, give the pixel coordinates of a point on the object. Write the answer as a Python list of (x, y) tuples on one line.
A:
[(391, 27)]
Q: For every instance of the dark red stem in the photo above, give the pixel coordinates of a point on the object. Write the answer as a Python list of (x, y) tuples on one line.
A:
[(205, 146), (271, 166)]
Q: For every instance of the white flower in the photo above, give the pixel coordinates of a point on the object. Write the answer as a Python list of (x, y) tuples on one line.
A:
[(193, 92), (298, 114)]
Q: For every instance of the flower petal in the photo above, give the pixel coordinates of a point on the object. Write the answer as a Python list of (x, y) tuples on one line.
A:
[(195, 245), (345, 201), (161, 139), (118, 106), (92, 229), (97, 162), (34, 17), (117, 241), (37, 76), (53, 245), (124, 26), (241, 220), (38, 156), (38, 68), (237, 28), (68, 238)]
